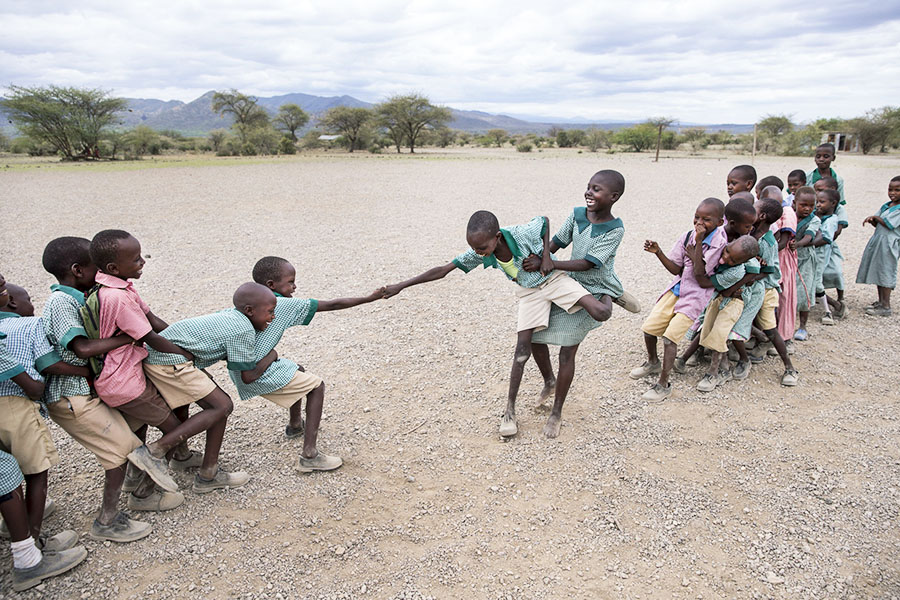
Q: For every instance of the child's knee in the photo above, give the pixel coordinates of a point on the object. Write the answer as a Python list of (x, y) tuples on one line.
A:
[(523, 352)]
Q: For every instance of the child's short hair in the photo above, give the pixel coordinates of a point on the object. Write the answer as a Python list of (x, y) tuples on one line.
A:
[(745, 171), (797, 174), (772, 208), (738, 208), (483, 221), (614, 179), (717, 205), (804, 191), (827, 146), (105, 246), (832, 195), (770, 180), (63, 252), (829, 182), (895, 178), (268, 268), (748, 244)]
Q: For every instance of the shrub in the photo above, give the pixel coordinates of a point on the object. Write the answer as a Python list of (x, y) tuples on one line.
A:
[(523, 147), (286, 146), (249, 149)]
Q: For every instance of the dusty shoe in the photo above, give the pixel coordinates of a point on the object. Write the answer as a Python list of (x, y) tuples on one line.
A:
[(52, 563), (733, 355), (878, 311), (801, 335), (157, 501), (725, 375), (121, 530), (191, 462), (321, 462), (628, 302), (49, 509), (790, 378), (508, 426), (133, 477), (658, 393), (741, 370), (679, 366), (758, 354), (694, 360), (827, 319), (222, 481), (841, 311), (59, 542), (648, 368), (156, 468), (708, 383), (291, 433)]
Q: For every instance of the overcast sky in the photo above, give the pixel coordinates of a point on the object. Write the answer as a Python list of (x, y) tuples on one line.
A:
[(705, 62)]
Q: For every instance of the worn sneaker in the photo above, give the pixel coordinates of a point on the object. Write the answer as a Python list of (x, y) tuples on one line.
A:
[(157, 501), (827, 319), (222, 481), (878, 311), (156, 468), (59, 542), (508, 426), (52, 563), (693, 360), (191, 462), (790, 378), (758, 353), (725, 375), (648, 368), (708, 383), (658, 393), (679, 366), (122, 529), (628, 302), (733, 355), (291, 433), (801, 335), (741, 370), (321, 462), (841, 311)]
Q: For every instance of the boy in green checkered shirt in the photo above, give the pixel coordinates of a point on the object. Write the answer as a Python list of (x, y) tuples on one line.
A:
[(507, 249), (282, 381), (228, 335)]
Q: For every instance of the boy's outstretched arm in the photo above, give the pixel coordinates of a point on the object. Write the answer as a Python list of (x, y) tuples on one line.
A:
[(161, 344), (432, 274), (63, 368), (255, 373), (653, 248), (341, 303), (156, 323), (86, 348), (534, 262)]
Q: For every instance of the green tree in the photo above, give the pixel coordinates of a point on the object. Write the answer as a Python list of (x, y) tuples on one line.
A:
[(247, 113), (142, 140), (497, 136), (696, 137), (263, 139), (70, 120), (290, 118), (217, 138), (445, 136), (660, 123), (772, 131), (640, 137), (347, 121), (404, 118), (595, 139)]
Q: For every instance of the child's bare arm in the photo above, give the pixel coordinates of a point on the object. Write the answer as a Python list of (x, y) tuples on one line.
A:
[(803, 242), (783, 237), (819, 241), (156, 323), (32, 388), (653, 248), (63, 368), (838, 231), (432, 274), (86, 348), (546, 261), (874, 221), (255, 373), (341, 303), (161, 344)]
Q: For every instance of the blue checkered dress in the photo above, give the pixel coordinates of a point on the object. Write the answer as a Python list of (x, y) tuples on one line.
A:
[(10, 473)]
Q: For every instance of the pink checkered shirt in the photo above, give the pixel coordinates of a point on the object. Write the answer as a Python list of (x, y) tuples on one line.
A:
[(122, 310)]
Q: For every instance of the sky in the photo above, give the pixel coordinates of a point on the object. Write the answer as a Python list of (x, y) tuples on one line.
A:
[(695, 61)]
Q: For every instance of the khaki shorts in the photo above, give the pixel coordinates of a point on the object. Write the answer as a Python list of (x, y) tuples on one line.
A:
[(534, 303), (718, 324), (766, 314), (24, 434), (149, 408), (180, 385), (663, 321), (100, 429), (296, 389)]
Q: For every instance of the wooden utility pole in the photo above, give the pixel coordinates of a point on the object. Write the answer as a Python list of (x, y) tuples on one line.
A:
[(753, 156)]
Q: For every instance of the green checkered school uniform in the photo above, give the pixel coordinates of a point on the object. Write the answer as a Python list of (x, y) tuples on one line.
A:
[(225, 335), (62, 321), (288, 313), (841, 210), (768, 252), (830, 273), (723, 278), (878, 265), (9, 366), (807, 262), (523, 240), (27, 344), (10, 473), (597, 243)]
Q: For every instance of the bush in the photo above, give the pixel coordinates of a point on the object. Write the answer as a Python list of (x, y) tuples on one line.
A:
[(26, 145), (375, 149), (523, 147), (249, 149), (286, 146)]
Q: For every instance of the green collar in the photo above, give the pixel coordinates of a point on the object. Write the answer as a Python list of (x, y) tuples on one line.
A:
[(65, 289), (277, 295), (887, 205), (769, 237), (804, 223), (491, 261), (825, 218), (597, 229), (8, 315), (721, 268)]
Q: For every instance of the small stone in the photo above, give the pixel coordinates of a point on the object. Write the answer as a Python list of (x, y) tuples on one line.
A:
[(774, 579), (340, 550), (685, 582)]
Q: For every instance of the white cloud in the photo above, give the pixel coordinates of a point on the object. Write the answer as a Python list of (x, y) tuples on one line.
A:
[(698, 61)]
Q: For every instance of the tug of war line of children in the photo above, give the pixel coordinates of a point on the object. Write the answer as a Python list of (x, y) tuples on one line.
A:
[(102, 366)]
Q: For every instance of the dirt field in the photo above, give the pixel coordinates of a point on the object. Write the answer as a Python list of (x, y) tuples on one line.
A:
[(752, 491)]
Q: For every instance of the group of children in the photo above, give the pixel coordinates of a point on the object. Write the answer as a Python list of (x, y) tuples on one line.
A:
[(104, 367)]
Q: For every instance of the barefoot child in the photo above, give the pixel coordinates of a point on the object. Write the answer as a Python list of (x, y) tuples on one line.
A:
[(507, 249), (280, 380), (685, 298), (595, 235), (830, 272), (807, 258), (879, 260)]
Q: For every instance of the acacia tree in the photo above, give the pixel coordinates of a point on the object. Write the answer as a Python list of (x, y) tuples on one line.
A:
[(347, 121), (660, 123), (497, 136), (404, 117), (773, 129), (71, 120), (290, 118), (245, 110)]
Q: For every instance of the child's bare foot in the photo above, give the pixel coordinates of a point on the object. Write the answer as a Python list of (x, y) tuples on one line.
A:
[(546, 393), (551, 428)]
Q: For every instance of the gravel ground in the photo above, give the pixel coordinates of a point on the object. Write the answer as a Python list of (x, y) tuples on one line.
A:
[(752, 491)]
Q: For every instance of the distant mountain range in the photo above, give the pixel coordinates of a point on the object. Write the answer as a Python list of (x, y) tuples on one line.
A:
[(197, 117)]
